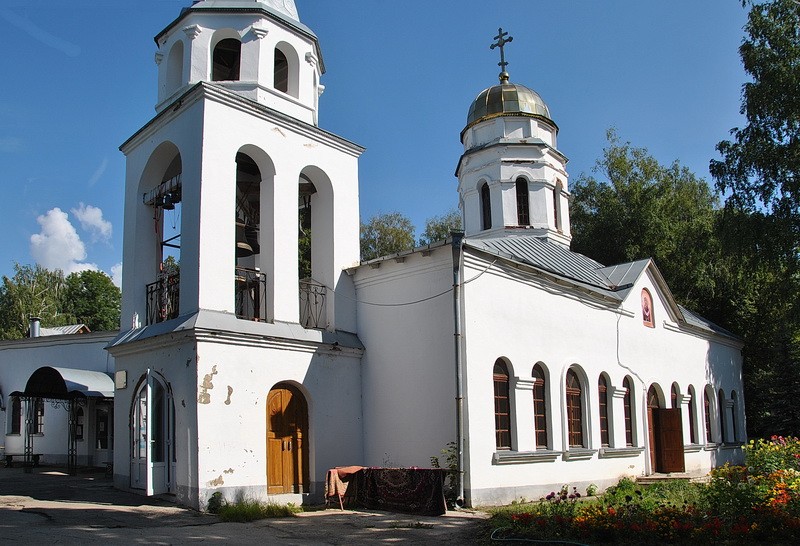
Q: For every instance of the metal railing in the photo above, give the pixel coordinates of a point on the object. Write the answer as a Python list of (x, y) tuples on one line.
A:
[(163, 299), (313, 297), (251, 294)]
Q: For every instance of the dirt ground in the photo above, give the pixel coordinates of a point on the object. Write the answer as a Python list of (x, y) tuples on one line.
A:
[(49, 507)]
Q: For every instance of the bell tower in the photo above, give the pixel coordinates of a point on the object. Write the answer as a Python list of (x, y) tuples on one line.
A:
[(235, 201), (512, 180)]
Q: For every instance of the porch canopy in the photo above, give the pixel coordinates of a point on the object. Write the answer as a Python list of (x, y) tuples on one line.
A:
[(66, 387), (67, 384)]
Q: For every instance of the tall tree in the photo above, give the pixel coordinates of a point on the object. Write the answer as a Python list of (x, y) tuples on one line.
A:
[(637, 208), (760, 166), (33, 291), (386, 234), (92, 299), (438, 228)]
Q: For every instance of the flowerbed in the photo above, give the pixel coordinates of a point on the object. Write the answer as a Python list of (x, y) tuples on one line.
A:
[(758, 502)]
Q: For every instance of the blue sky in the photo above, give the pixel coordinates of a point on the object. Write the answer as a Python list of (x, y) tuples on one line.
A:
[(79, 78)]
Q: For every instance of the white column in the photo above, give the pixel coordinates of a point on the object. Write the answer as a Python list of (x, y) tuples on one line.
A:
[(616, 417), (524, 429)]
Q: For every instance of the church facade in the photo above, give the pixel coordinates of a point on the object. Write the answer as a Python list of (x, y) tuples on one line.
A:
[(257, 351)]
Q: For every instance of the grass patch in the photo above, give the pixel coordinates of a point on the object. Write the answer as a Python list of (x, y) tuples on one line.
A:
[(244, 510)]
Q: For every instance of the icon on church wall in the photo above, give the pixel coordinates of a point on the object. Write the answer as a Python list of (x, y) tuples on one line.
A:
[(647, 309)]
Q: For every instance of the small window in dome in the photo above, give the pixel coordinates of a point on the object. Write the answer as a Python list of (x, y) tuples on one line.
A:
[(281, 71)]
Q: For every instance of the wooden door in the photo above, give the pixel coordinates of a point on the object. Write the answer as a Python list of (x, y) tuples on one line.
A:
[(669, 440), (652, 415), (287, 424)]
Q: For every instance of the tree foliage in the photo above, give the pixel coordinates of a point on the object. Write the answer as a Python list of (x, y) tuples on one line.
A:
[(89, 297), (92, 298), (33, 291), (761, 164), (438, 228), (637, 208), (385, 234)]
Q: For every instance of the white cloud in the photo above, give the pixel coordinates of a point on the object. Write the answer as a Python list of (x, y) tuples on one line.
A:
[(57, 245), (91, 219), (116, 275), (98, 173)]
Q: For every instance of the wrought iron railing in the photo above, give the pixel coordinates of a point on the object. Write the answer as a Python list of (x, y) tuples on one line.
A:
[(312, 304), (163, 299), (251, 294)]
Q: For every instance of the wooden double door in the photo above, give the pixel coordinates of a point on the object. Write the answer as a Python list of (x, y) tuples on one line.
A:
[(665, 428), (287, 430)]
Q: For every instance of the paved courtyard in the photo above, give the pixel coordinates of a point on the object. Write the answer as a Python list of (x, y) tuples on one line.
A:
[(48, 506)]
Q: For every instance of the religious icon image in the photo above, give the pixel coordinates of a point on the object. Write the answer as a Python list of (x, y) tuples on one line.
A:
[(647, 309)]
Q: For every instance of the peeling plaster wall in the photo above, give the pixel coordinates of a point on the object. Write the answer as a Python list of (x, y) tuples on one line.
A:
[(233, 384)]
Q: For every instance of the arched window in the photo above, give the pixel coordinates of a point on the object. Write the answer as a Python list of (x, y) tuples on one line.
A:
[(692, 416), (281, 71), (38, 416), (735, 415), (557, 206), (540, 407), (627, 403), (523, 208), (602, 399), (574, 410), (16, 415), (707, 411), (648, 318), (226, 59), (674, 396), (486, 207), (722, 432), (502, 406)]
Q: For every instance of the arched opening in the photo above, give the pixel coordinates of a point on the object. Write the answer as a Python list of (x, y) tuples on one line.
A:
[(602, 400), (628, 405), (164, 201), (174, 68), (574, 410), (486, 207), (707, 414), (523, 207), (287, 70), (674, 394), (540, 407), (557, 206), (287, 433), (693, 416), (226, 60), (250, 288), (315, 247), (665, 428), (734, 416), (281, 72), (152, 426), (502, 405), (16, 416)]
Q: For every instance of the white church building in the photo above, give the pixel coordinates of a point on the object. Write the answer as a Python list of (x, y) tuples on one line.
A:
[(257, 351)]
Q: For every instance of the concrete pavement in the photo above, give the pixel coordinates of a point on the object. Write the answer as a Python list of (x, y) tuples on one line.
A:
[(48, 506)]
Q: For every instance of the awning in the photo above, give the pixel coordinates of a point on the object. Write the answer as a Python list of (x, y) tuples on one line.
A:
[(67, 383)]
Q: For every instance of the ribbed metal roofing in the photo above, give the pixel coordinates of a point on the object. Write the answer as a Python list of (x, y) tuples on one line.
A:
[(546, 256), (64, 330)]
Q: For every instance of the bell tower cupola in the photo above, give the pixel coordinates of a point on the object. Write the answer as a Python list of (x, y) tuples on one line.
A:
[(258, 49), (512, 180)]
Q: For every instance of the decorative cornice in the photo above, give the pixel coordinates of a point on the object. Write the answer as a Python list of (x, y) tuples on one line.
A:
[(259, 32), (579, 454), (311, 59), (159, 57), (619, 452)]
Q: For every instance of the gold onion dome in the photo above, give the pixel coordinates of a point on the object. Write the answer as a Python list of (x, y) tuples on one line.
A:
[(507, 99)]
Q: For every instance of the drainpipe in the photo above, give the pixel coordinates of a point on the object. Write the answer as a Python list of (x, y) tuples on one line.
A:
[(33, 324), (458, 245)]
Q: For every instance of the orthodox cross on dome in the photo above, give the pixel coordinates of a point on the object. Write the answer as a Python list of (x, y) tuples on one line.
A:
[(501, 42)]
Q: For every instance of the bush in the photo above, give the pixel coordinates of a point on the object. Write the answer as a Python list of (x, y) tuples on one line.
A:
[(244, 510)]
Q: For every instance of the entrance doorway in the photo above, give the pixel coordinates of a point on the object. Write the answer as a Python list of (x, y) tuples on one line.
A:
[(287, 431), (152, 437), (665, 430)]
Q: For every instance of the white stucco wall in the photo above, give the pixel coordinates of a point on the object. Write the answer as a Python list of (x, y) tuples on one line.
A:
[(19, 359)]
